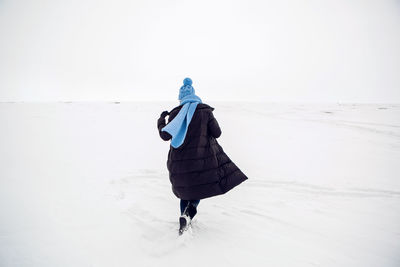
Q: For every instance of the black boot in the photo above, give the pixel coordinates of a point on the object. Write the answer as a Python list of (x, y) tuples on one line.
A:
[(187, 216), (190, 211)]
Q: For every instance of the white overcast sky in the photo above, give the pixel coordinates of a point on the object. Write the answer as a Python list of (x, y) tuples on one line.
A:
[(127, 50)]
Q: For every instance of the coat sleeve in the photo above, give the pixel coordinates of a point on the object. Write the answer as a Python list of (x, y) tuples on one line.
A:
[(164, 135), (213, 126)]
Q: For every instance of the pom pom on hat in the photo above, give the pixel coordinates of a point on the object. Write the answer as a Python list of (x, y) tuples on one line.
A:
[(187, 81), (186, 89)]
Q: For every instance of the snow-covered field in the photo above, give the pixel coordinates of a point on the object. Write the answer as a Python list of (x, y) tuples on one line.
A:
[(85, 184)]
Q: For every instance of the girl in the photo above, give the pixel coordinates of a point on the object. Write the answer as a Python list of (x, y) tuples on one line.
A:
[(198, 167)]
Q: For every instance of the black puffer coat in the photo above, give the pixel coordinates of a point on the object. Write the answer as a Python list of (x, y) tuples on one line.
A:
[(199, 168)]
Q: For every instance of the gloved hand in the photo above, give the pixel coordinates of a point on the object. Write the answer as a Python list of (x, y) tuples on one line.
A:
[(164, 114)]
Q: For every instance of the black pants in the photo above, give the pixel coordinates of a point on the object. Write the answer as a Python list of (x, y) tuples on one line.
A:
[(191, 206)]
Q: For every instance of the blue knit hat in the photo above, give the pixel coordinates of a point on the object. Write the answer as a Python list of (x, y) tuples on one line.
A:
[(186, 89)]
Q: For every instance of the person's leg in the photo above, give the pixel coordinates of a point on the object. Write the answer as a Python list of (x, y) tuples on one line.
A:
[(192, 208), (195, 203), (188, 208), (183, 205)]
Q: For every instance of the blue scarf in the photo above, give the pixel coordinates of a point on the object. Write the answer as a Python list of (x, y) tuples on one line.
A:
[(178, 127)]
